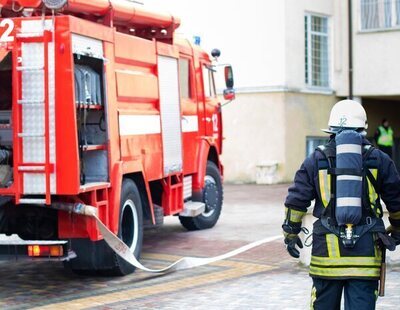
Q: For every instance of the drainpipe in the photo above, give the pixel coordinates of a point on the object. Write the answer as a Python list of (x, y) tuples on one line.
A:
[(350, 49)]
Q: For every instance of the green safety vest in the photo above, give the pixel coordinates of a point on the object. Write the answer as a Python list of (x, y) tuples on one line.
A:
[(385, 136)]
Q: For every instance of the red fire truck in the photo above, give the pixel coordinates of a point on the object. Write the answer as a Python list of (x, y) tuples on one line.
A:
[(101, 104)]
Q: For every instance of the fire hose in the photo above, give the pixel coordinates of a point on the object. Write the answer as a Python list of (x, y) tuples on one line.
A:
[(120, 248)]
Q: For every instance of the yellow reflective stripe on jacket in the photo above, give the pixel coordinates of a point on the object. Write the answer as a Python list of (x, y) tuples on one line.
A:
[(341, 272), (373, 195), (395, 215), (332, 242), (346, 261), (295, 215), (289, 236), (324, 186), (337, 266)]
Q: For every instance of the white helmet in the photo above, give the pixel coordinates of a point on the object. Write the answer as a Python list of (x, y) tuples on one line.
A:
[(347, 114)]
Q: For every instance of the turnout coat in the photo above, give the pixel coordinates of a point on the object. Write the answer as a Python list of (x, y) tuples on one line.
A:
[(330, 259)]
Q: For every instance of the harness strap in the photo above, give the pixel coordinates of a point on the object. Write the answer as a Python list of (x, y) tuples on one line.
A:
[(345, 171), (328, 222), (373, 225)]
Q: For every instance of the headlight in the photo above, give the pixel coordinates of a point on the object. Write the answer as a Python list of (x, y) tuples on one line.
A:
[(55, 4)]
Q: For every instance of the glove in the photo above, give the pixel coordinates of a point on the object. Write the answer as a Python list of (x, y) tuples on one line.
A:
[(291, 229), (291, 240), (386, 241), (394, 233)]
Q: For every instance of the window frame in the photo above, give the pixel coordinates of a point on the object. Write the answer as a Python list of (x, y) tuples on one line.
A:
[(394, 17), (205, 67), (308, 56)]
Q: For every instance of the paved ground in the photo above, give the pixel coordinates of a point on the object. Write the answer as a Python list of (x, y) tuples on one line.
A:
[(263, 278)]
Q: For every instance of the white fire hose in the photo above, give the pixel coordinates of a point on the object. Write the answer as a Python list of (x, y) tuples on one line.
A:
[(123, 250)]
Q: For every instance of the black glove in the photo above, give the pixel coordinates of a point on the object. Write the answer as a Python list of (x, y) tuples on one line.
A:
[(291, 241), (386, 241), (394, 233)]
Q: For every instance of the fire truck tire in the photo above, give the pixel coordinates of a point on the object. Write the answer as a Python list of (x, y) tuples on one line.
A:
[(130, 226), (212, 196), (97, 258)]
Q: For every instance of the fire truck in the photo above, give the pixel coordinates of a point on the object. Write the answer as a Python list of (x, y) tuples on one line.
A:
[(102, 104)]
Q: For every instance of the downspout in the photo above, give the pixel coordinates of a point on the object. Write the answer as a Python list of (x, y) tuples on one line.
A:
[(350, 20)]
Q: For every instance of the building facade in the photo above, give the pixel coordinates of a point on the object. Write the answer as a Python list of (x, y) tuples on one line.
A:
[(291, 65)]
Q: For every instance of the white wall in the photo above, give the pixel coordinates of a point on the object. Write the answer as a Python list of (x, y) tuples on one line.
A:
[(375, 58), (295, 11), (249, 33)]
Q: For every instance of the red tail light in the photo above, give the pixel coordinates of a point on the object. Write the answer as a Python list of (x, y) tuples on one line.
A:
[(45, 251)]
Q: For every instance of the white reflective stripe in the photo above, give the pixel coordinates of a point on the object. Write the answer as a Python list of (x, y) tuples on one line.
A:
[(132, 125), (348, 148), (348, 202), (190, 123), (349, 178)]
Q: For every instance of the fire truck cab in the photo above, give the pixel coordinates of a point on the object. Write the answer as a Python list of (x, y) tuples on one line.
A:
[(101, 104)]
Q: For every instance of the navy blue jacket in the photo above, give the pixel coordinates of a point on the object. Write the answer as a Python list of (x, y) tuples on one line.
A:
[(306, 185)]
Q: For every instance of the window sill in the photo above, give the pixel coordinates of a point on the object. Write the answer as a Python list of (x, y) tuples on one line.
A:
[(318, 90), (377, 30)]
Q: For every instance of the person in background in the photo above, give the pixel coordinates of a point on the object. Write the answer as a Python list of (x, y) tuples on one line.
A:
[(384, 138)]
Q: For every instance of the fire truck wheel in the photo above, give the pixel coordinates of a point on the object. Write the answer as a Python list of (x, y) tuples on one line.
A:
[(130, 226), (212, 197)]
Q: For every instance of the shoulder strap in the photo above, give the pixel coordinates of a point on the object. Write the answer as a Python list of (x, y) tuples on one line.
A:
[(368, 149), (330, 154)]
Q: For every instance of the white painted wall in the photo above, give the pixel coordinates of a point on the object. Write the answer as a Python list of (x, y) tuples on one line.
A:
[(250, 34), (295, 11)]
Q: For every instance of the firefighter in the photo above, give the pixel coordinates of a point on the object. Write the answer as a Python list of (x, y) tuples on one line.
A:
[(338, 264), (384, 137)]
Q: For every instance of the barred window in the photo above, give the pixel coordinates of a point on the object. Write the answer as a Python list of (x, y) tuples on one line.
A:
[(313, 142), (380, 14), (316, 51)]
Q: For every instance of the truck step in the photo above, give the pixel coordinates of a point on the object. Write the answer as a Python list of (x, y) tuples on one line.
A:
[(193, 209), (17, 241)]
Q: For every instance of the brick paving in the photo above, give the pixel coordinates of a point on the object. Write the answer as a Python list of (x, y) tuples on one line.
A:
[(263, 278)]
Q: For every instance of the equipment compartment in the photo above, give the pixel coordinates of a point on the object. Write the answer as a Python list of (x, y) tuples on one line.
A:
[(91, 119), (6, 130)]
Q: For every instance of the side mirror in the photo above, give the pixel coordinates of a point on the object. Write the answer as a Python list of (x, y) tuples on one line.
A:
[(229, 92), (229, 81)]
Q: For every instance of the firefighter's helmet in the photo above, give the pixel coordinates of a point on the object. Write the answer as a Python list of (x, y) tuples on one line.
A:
[(347, 114)]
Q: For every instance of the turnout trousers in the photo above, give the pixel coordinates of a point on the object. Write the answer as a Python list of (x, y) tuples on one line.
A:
[(358, 294)]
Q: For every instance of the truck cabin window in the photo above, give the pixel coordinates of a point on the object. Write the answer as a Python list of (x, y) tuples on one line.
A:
[(208, 82), (184, 78)]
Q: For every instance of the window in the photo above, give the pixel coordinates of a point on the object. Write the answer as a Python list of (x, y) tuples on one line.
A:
[(184, 78), (208, 80), (316, 51), (380, 14), (313, 142)]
